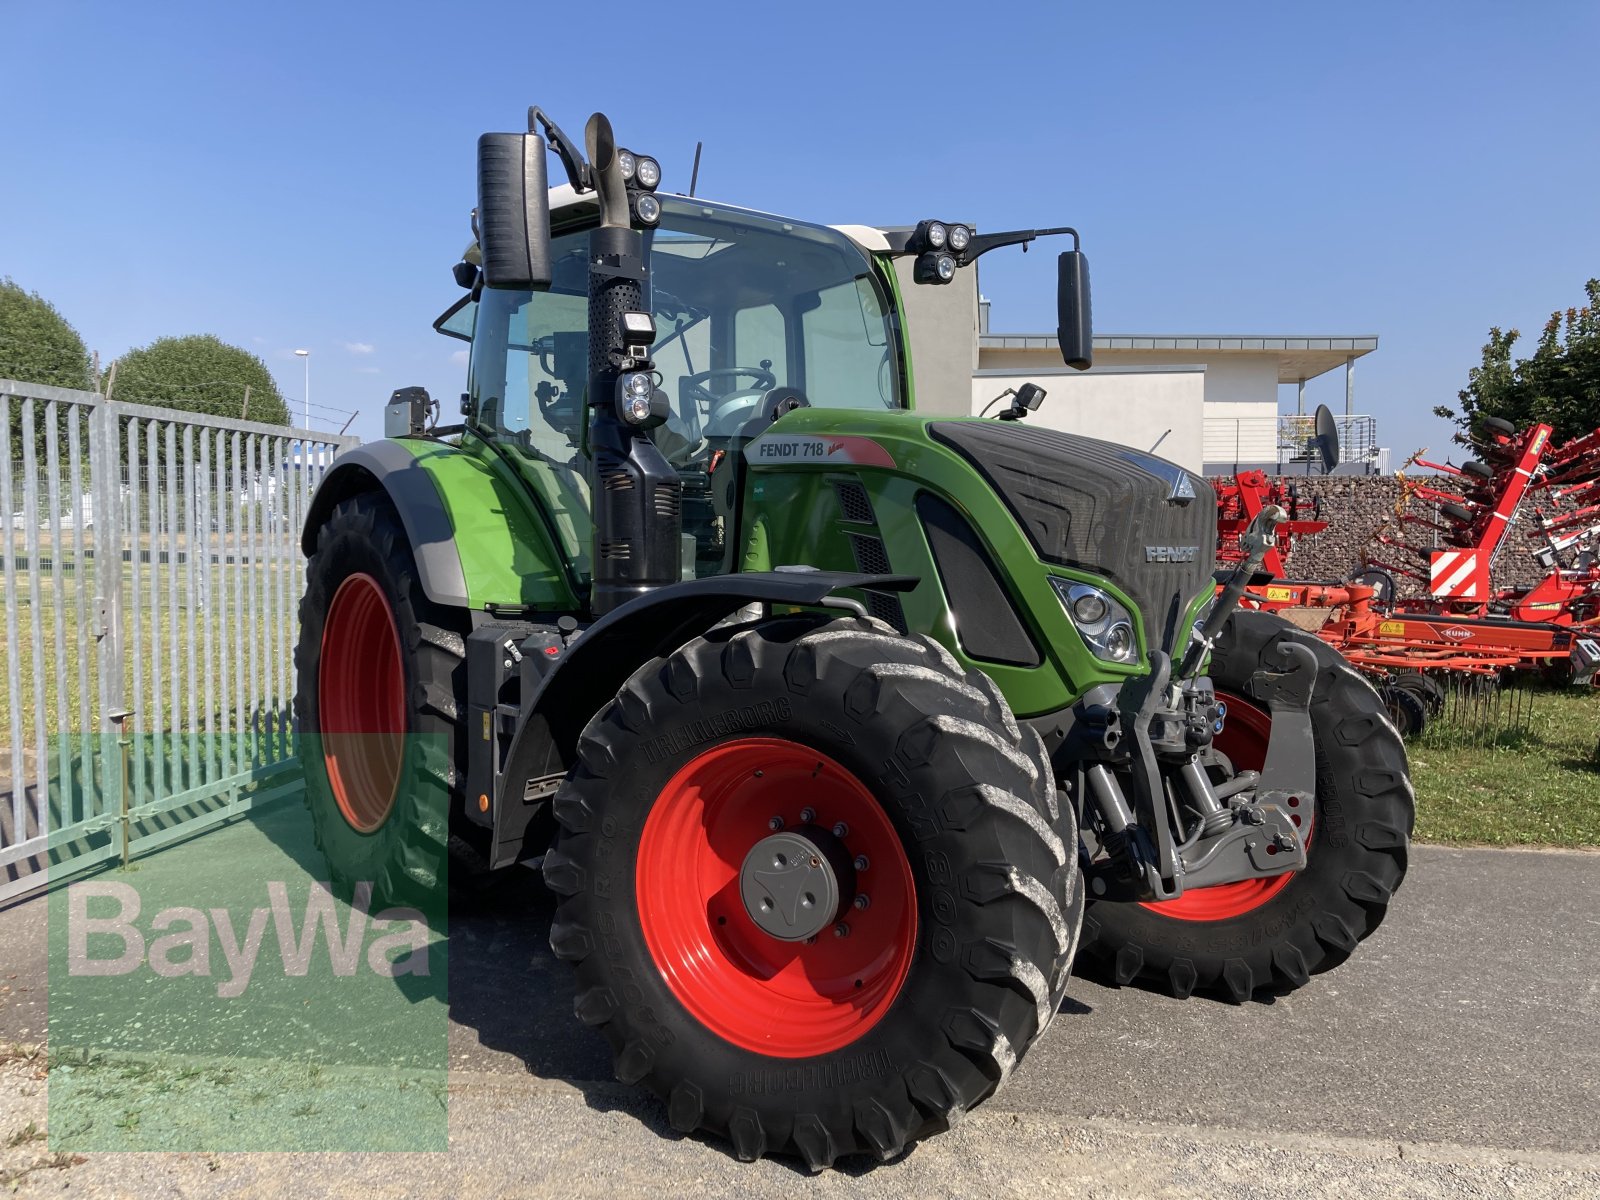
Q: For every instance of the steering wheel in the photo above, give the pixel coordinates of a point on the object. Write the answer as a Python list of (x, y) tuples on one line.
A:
[(694, 385)]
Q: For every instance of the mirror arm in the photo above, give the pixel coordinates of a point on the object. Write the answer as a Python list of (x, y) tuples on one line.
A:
[(900, 241), (578, 173)]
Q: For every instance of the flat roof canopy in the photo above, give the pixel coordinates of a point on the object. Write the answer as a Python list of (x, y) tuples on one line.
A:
[(1298, 356)]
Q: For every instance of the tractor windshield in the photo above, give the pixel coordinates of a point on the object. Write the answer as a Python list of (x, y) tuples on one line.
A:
[(743, 303)]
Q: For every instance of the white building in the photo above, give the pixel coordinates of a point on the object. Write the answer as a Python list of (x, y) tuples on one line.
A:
[(1206, 401)]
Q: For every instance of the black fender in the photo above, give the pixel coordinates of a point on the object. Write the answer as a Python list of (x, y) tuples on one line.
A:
[(390, 467), (598, 662)]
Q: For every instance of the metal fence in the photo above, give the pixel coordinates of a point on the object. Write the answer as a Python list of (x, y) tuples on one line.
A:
[(1274, 438), (152, 573)]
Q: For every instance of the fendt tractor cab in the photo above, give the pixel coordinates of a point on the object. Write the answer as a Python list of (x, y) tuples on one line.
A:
[(831, 721)]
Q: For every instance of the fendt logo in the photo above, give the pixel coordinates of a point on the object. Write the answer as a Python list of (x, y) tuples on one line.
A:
[(1171, 554)]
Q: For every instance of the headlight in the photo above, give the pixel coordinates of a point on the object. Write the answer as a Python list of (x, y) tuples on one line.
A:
[(628, 163), (649, 173), (1100, 619), (936, 235), (946, 265), (647, 208), (960, 235)]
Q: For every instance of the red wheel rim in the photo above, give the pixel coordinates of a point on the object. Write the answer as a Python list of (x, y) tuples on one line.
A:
[(1243, 739), (361, 702), (780, 998)]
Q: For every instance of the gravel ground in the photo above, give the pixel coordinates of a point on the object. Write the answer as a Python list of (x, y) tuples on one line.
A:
[(1455, 1055), (533, 1137)]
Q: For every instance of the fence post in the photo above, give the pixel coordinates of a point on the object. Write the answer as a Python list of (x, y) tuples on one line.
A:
[(104, 461)]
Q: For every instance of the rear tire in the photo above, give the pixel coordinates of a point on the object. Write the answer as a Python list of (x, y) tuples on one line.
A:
[(1356, 856), (379, 708), (978, 890)]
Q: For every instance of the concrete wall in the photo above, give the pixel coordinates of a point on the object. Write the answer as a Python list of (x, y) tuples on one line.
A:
[(1239, 409), (943, 322), (1147, 408)]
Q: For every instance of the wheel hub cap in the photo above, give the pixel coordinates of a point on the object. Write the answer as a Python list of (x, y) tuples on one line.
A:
[(794, 884)]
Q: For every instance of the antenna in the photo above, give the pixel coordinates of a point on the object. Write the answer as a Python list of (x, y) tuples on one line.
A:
[(694, 176)]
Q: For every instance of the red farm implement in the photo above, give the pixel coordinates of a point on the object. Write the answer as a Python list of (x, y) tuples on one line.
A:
[(1450, 540), (1240, 501)]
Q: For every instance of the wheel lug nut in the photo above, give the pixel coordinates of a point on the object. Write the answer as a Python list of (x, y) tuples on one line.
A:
[(841, 830), (862, 902), (807, 815), (812, 940), (775, 824), (841, 930), (861, 862)]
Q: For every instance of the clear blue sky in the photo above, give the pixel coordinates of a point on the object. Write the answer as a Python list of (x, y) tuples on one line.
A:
[(289, 175)]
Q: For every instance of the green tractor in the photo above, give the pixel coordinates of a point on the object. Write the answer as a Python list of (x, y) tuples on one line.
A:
[(833, 723)]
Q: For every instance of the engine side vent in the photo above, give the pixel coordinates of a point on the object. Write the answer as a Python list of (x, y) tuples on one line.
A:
[(616, 549), (666, 500), (871, 557), (987, 624), (854, 504), (887, 609), (617, 481)]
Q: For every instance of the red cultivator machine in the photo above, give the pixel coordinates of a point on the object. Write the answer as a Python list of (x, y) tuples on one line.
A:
[(1240, 501), (1461, 629)]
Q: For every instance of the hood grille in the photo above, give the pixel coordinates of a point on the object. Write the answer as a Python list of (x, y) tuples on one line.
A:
[(1101, 508)]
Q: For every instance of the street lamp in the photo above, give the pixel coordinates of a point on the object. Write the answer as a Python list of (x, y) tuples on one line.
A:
[(306, 355)]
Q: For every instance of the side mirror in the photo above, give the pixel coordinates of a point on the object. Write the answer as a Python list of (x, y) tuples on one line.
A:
[(1074, 325), (514, 211)]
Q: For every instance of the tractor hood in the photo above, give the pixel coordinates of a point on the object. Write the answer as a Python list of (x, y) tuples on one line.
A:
[(1144, 523)]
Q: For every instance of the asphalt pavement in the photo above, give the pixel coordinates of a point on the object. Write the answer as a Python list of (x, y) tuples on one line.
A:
[(1455, 1054)]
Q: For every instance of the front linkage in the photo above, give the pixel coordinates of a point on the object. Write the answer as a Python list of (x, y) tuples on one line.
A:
[(1157, 732)]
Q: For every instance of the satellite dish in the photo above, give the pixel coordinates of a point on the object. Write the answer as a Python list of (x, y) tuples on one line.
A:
[(1326, 441)]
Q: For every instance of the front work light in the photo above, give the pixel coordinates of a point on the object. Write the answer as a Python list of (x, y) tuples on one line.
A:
[(648, 172), (647, 208), (628, 163), (934, 267), (1100, 619), (639, 402), (960, 236)]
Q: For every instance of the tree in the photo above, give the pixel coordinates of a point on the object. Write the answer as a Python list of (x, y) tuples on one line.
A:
[(1558, 385), (37, 345), (201, 374)]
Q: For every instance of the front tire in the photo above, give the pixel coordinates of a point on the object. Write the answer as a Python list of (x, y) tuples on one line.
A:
[(1273, 934), (865, 1038)]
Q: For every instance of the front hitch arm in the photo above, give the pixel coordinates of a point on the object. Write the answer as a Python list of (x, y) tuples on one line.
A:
[(1257, 540)]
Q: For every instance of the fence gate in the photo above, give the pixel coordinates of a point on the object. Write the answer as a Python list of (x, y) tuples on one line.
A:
[(152, 576)]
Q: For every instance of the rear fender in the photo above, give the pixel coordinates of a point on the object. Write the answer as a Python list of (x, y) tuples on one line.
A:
[(473, 527)]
